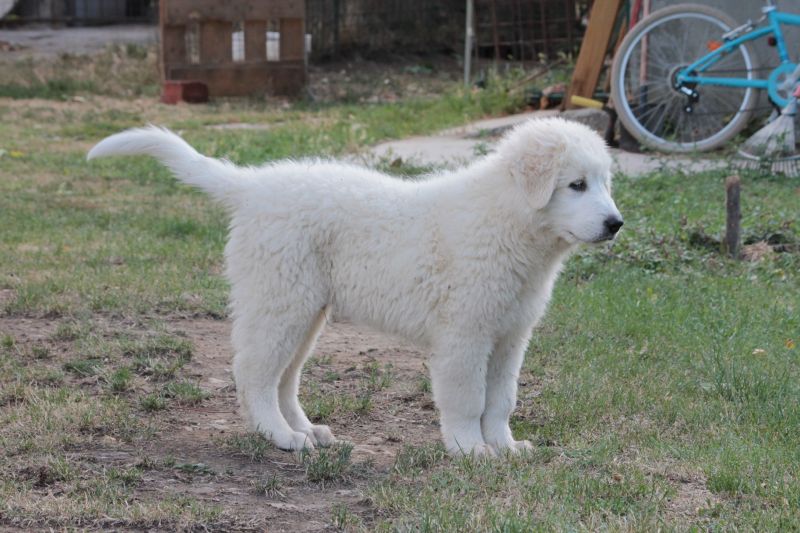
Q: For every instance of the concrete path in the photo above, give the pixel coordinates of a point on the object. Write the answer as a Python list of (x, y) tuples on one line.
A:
[(457, 146), (46, 41)]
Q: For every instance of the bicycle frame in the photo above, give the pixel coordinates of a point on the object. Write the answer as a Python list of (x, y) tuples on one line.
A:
[(690, 74)]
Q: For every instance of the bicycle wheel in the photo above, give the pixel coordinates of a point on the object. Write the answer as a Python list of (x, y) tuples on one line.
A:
[(645, 97)]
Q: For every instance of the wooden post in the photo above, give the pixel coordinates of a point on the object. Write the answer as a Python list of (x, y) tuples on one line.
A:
[(733, 217), (495, 35), (593, 50), (469, 36)]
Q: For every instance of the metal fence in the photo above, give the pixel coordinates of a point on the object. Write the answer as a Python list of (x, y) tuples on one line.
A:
[(525, 29), (376, 27), (504, 29)]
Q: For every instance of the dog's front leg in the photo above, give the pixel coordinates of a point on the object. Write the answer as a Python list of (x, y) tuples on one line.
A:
[(501, 393), (458, 376)]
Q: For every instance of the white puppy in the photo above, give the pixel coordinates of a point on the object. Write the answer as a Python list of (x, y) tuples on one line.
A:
[(462, 263)]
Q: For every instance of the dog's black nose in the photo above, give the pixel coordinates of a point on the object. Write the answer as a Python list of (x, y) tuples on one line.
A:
[(613, 224)]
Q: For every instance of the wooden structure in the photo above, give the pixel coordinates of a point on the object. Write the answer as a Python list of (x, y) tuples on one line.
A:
[(236, 48), (594, 48)]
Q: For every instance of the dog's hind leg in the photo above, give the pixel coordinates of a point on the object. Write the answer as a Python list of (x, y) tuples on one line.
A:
[(501, 393), (265, 343), (290, 383)]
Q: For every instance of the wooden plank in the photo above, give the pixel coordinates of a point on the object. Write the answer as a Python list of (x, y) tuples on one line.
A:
[(593, 49), (292, 39), (255, 40), (181, 11), (216, 42), (244, 79), (173, 46), (734, 216)]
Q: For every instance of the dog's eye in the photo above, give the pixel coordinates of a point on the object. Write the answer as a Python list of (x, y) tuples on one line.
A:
[(579, 185)]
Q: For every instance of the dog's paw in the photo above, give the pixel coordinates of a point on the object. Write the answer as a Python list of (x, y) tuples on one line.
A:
[(294, 441), (479, 450), (318, 435), (514, 446), (323, 435), (521, 446)]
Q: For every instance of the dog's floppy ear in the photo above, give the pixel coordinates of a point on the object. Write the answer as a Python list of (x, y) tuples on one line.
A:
[(532, 158)]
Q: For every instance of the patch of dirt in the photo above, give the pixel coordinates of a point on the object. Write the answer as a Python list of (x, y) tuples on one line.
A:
[(393, 419), (365, 81), (400, 413)]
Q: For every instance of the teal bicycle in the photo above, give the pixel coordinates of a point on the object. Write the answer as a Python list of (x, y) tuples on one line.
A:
[(686, 77)]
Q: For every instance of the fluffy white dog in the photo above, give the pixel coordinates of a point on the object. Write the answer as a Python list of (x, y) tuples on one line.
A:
[(461, 263)]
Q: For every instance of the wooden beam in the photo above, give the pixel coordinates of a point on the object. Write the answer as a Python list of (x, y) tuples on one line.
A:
[(243, 79), (173, 47), (216, 42), (255, 40), (181, 11), (292, 40), (593, 49)]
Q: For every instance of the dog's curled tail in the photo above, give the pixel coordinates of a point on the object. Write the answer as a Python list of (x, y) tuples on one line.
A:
[(217, 177)]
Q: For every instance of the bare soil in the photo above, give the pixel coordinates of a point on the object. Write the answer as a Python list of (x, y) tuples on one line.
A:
[(196, 435)]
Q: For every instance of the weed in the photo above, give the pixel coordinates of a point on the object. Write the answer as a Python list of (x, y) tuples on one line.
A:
[(8, 341), (120, 380), (330, 376), (321, 407), (160, 357), (321, 360), (412, 458), (185, 393), (343, 518), (153, 402), (424, 385), (362, 404), (83, 367), (159, 346), (327, 464), (377, 379), (126, 477), (197, 469), (69, 331), (39, 351), (252, 445), (270, 487)]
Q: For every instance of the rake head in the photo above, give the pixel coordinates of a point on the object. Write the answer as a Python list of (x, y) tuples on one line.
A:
[(788, 166), (773, 148), (776, 140)]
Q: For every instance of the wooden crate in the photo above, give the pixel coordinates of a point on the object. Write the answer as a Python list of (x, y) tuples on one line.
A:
[(197, 43)]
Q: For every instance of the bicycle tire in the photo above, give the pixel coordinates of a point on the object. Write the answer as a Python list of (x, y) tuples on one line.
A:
[(675, 130)]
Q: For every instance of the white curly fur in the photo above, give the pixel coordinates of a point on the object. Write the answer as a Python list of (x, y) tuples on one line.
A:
[(461, 263)]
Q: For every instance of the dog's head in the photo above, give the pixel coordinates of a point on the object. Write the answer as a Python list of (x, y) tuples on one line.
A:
[(563, 169)]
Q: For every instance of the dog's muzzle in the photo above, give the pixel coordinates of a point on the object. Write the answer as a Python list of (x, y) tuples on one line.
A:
[(612, 226)]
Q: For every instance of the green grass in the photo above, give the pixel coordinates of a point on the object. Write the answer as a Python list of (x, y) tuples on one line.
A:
[(269, 487), (251, 445), (121, 71), (667, 384), (60, 89), (185, 393), (661, 390), (328, 465)]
